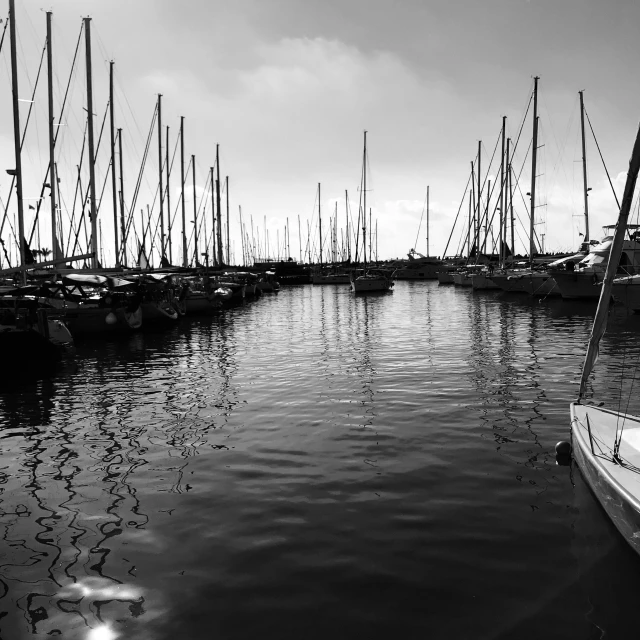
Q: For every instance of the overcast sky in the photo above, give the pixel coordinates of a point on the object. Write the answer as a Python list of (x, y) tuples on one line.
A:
[(287, 88)]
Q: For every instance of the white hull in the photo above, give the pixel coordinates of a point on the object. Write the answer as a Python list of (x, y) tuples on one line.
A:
[(617, 487)]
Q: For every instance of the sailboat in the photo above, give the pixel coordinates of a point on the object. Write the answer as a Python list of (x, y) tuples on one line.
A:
[(370, 279), (605, 442)]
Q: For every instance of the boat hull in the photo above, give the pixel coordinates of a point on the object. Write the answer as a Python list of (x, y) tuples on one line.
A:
[(462, 279), (368, 284), (424, 272), (331, 279), (482, 281), (574, 285), (445, 277), (627, 291), (101, 320), (158, 313), (616, 487)]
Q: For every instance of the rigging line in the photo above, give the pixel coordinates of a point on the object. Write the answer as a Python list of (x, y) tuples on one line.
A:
[(95, 155), (55, 137), (618, 439), (457, 214), (561, 151), (140, 173), (424, 205), (524, 119), (72, 229), (24, 133), (602, 158), (4, 31)]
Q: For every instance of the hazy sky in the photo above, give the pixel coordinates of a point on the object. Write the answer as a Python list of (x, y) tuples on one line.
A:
[(287, 88)]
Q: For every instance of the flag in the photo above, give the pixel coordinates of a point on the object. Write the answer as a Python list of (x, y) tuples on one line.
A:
[(581, 234), (28, 254), (143, 263), (32, 207)]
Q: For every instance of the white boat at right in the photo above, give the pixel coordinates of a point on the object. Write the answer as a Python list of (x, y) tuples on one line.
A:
[(606, 442)]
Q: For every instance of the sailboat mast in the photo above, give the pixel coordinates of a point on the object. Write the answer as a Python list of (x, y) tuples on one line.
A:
[(213, 216), (52, 172), (476, 213), (92, 170), (320, 223), (427, 222), (16, 136), (219, 208), (123, 230), (364, 200), (503, 216), (534, 156), (584, 170), (184, 214), (195, 211), (346, 213), (160, 187), (169, 225), (113, 164), (510, 176), (226, 188)]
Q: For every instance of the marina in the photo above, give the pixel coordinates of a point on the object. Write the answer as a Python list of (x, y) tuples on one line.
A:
[(310, 326)]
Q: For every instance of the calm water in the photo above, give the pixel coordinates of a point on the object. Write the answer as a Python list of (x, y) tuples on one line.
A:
[(315, 464)]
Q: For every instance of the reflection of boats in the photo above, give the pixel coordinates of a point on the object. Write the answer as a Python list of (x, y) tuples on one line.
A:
[(606, 443), (33, 335)]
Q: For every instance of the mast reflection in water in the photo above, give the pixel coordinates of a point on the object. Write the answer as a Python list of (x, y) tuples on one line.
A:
[(314, 463)]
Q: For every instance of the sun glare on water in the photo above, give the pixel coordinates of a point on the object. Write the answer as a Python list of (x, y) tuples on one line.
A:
[(102, 633)]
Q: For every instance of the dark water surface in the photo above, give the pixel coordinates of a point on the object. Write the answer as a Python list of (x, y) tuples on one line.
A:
[(318, 465)]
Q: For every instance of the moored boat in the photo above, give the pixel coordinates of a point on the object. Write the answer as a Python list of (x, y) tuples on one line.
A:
[(606, 443)]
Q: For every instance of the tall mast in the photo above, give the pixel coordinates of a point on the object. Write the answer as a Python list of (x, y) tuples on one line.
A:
[(479, 204), (503, 218), (346, 213), (123, 230), (299, 239), (370, 236), (113, 165), (16, 136), (584, 171), (218, 206), (510, 177), (469, 232), (534, 156), (195, 211), (213, 215), (428, 254), (52, 172), (169, 225), (92, 171), (160, 189), (320, 223), (364, 199), (226, 188), (184, 215)]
